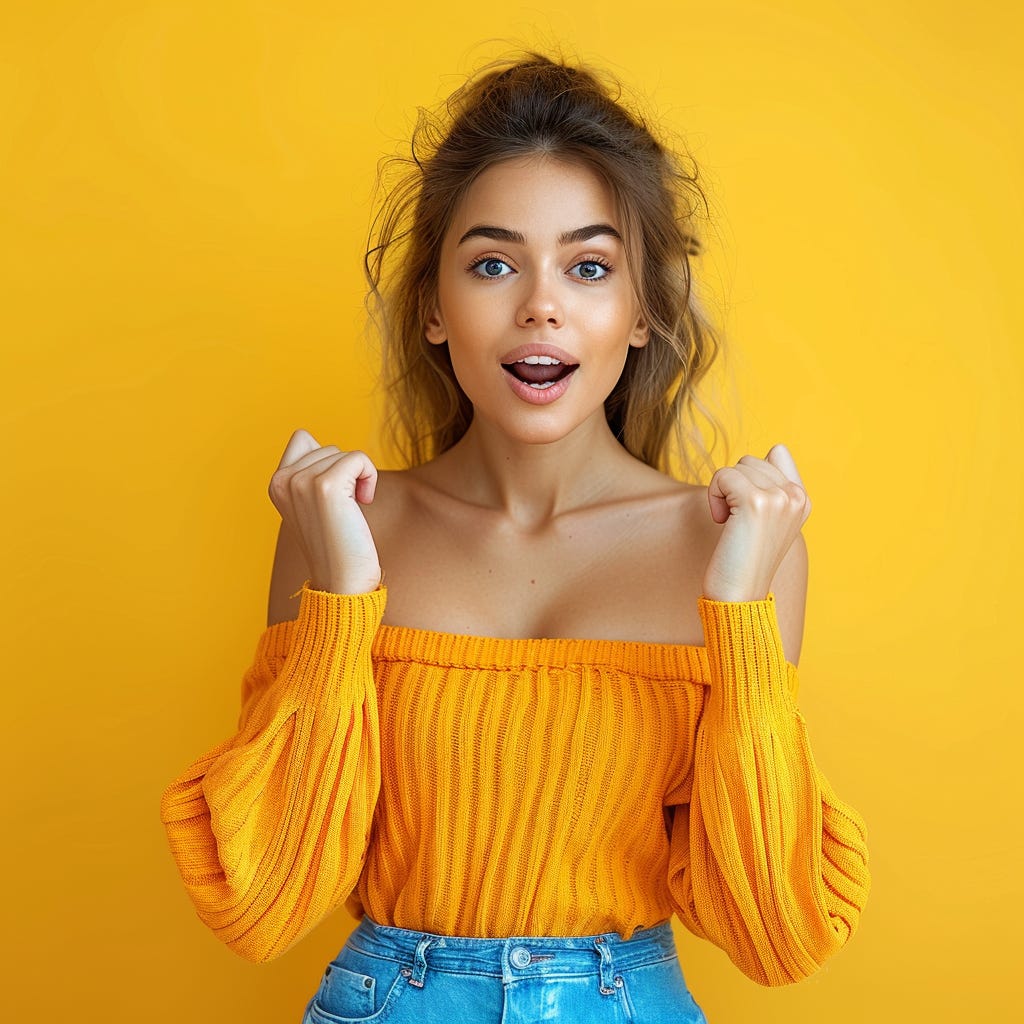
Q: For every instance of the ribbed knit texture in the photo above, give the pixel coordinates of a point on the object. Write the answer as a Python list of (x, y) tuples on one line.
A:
[(495, 787)]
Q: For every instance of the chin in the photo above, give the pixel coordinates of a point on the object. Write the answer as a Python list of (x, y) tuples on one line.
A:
[(541, 428), (538, 436)]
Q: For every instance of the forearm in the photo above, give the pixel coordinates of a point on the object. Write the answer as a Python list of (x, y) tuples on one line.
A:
[(774, 868), (269, 829)]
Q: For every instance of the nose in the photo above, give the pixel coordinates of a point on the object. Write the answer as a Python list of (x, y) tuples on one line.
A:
[(540, 305)]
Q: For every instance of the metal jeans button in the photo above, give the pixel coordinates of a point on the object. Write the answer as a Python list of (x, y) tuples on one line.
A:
[(520, 957)]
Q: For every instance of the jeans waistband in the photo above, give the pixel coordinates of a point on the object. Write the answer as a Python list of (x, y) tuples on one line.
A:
[(605, 954)]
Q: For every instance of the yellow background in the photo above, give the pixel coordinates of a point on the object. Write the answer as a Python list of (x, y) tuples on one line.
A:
[(184, 202)]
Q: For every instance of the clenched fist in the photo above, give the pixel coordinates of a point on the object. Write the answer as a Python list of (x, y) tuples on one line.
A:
[(318, 492), (763, 504)]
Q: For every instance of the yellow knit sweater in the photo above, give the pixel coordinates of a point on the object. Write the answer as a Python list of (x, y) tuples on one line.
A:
[(495, 787)]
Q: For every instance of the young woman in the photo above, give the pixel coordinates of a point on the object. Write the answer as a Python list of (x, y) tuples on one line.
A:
[(570, 711)]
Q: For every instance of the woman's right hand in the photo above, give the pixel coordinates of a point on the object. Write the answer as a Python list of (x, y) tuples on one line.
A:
[(318, 492)]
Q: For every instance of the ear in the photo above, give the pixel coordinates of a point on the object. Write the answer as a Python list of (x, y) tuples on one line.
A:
[(640, 334), (434, 330)]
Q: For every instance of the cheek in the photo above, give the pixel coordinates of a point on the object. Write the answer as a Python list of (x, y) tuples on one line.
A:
[(467, 348), (608, 324), (468, 311)]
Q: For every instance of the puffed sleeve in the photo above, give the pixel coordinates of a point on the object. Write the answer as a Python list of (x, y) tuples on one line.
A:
[(765, 861), (269, 830)]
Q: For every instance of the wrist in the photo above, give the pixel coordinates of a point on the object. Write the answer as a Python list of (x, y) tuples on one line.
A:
[(735, 594), (348, 584)]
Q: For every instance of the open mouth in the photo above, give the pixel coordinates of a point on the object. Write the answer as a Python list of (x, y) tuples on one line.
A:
[(540, 372)]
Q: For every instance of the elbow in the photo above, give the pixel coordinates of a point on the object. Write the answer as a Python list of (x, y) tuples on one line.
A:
[(256, 948), (781, 941), (260, 922), (257, 941), (814, 923), (802, 954), (777, 973)]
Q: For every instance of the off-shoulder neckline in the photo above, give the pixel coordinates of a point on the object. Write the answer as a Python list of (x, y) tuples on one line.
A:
[(465, 650)]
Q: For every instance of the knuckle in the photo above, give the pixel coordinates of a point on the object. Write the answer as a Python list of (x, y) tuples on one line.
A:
[(326, 485), (278, 486), (302, 485)]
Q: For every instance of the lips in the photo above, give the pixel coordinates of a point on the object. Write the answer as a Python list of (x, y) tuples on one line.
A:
[(539, 365), (539, 373), (539, 392)]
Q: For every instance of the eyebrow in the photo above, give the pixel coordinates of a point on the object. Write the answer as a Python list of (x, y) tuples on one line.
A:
[(573, 237)]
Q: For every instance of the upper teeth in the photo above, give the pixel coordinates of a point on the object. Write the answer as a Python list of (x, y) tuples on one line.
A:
[(540, 361)]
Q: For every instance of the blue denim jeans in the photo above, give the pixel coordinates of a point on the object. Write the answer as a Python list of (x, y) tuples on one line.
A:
[(398, 975)]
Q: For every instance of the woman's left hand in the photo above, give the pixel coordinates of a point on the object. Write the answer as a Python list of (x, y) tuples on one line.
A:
[(763, 504)]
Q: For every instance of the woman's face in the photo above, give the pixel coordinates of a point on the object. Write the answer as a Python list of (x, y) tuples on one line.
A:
[(535, 299)]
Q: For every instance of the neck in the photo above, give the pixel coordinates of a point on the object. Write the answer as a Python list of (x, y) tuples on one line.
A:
[(533, 483)]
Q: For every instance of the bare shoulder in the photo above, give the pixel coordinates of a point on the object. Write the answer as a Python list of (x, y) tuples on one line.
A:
[(287, 577), (389, 509), (789, 585), (688, 503)]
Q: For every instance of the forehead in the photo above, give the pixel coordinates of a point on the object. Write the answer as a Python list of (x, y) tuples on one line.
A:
[(544, 193)]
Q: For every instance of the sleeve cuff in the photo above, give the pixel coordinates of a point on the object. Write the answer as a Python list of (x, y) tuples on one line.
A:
[(745, 656), (342, 624)]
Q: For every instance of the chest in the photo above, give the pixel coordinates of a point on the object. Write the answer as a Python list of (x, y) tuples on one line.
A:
[(630, 574)]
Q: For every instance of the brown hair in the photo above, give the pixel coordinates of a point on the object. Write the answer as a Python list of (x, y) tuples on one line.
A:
[(531, 104)]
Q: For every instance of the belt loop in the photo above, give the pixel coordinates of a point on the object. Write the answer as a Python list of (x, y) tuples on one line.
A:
[(606, 967), (420, 963)]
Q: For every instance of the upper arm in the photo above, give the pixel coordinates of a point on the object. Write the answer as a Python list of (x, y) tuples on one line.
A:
[(790, 588), (289, 573)]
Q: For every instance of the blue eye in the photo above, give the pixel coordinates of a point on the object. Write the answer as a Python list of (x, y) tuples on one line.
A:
[(491, 267), (591, 270)]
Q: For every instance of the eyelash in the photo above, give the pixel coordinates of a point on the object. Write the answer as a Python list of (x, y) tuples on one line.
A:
[(597, 261)]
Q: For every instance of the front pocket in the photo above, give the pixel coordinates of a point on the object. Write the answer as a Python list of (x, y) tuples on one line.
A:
[(347, 996)]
